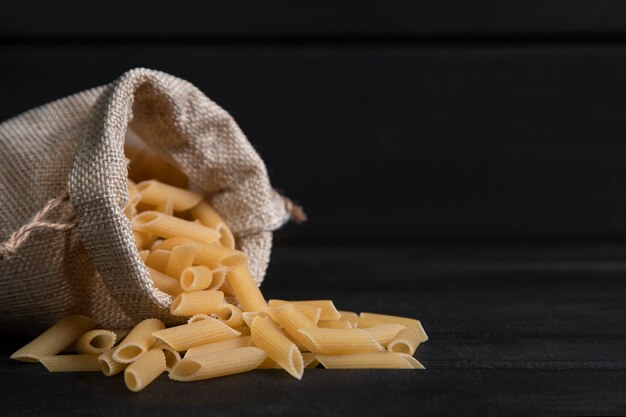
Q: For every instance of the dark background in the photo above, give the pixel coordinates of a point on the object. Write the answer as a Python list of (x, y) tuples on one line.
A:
[(461, 162)]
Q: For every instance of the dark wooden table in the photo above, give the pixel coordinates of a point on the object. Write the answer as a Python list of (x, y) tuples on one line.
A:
[(513, 330)]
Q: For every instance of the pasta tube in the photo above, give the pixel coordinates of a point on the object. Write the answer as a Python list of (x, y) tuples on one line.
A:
[(246, 289), (291, 320), (405, 321), (110, 366), (165, 283), (384, 333), (348, 315), (385, 360), (230, 315), (154, 192), (55, 339), (210, 255), (197, 333), (407, 340), (229, 344), (157, 259), (181, 257), (340, 341), (267, 336), (335, 324), (70, 363), (216, 364), (145, 370), (198, 317), (165, 226), (329, 311), (172, 357), (197, 302), (210, 218), (196, 278), (96, 341), (138, 341), (308, 360)]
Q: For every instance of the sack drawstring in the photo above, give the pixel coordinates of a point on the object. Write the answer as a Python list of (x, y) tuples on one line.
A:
[(10, 246)]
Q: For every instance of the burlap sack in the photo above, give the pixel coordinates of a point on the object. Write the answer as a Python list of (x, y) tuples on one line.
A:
[(76, 145)]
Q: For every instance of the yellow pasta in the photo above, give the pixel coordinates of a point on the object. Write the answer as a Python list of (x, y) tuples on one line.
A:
[(210, 255), (246, 289), (348, 315), (384, 318), (329, 311), (340, 341), (96, 341), (197, 333), (70, 363), (210, 218), (218, 279), (267, 336), (384, 360), (165, 226), (407, 340), (166, 207), (216, 364), (230, 315), (291, 320), (384, 333), (55, 339), (248, 316), (145, 370), (181, 257), (197, 302), (138, 341), (198, 317), (154, 192), (196, 278), (157, 259), (334, 324), (229, 344), (313, 313), (165, 283), (172, 357), (308, 361), (110, 366)]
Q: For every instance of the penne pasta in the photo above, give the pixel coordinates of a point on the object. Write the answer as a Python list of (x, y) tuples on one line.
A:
[(308, 361), (144, 255), (210, 255), (246, 289), (196, 278), (96, 341), (384, 318), (145, 370), (210, 218), (165, 226), (407, 340), (216, 364), (248, 316), (267, 336), (110, 366), (383, 360), (197, 302), (55, 339), (340, 341), (230, 315), (229, 344), (157, 259), (198, 317), (172, 357), (138, 341), (166, 207), (329, 311), (165, 283), (291, 320), (348, 315), (154, 192), (181, 257), (70, 363), (334, 324), (197, 333), (384, 333)]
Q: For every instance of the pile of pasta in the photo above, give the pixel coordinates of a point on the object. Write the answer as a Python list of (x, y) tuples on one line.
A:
[(191, 255)]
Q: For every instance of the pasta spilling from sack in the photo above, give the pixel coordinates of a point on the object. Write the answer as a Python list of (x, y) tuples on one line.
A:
[(191, 255)]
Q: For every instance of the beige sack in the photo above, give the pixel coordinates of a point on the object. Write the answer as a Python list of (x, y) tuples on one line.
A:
[(76, 145)]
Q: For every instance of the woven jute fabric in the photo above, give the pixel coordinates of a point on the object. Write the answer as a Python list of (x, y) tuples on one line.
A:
[(76, 145)]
